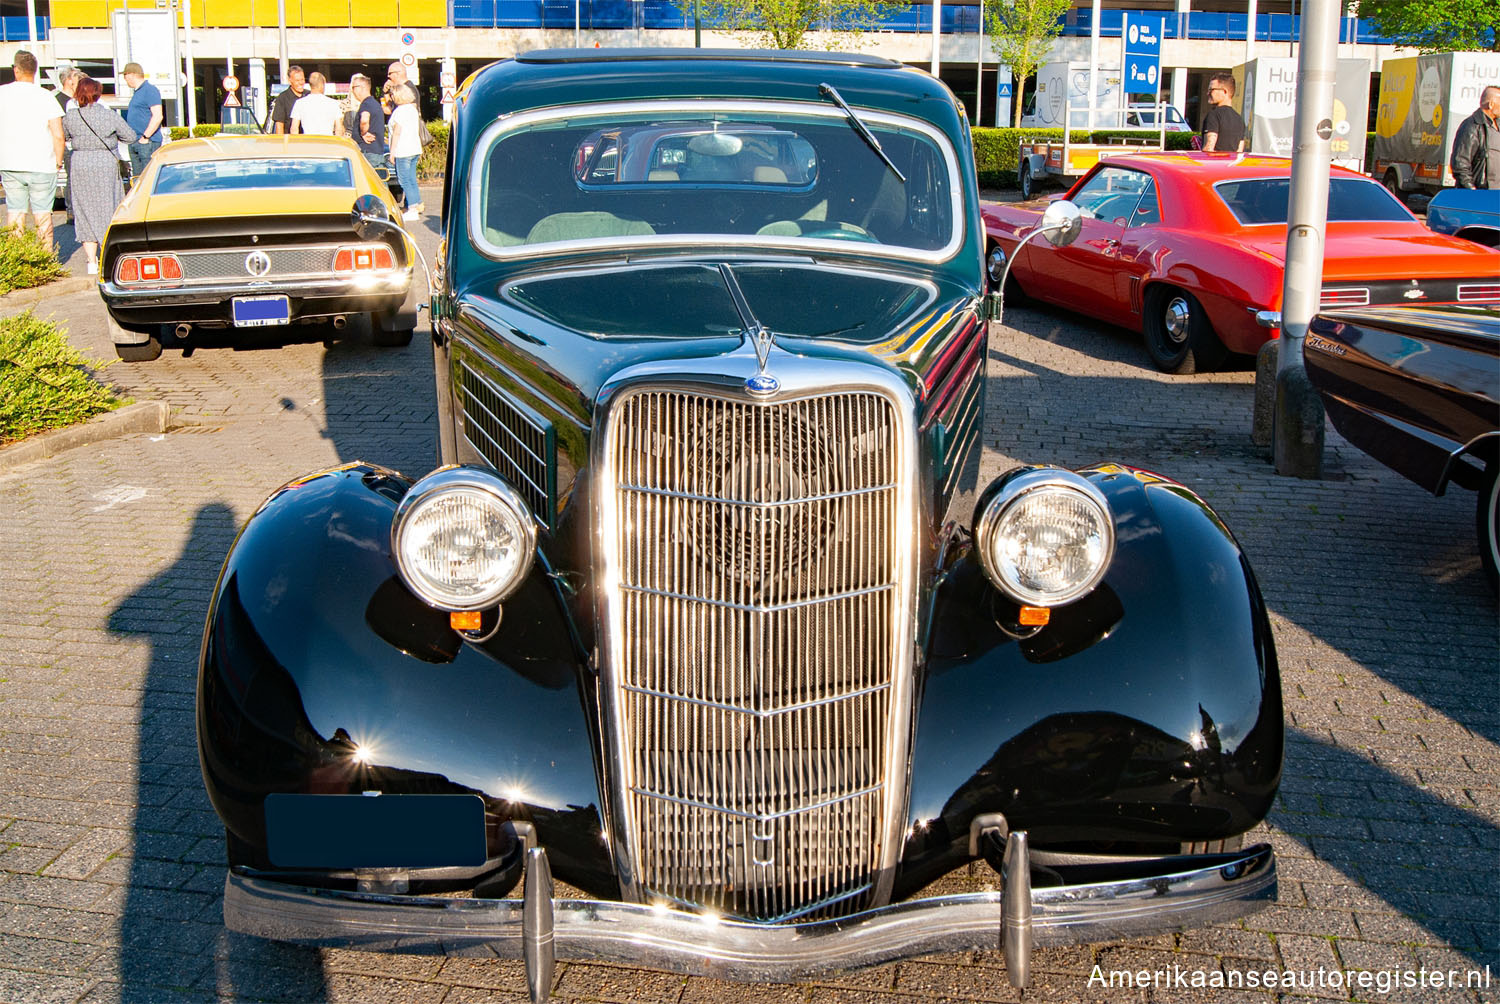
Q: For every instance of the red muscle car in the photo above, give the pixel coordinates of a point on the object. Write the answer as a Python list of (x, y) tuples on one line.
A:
[(1187, 247)]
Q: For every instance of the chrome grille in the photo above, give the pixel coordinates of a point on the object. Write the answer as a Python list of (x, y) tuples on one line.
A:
[(519, 444), (759, 589), (286, 262)]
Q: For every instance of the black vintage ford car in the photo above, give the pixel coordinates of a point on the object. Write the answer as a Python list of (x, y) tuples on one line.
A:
[(705, 613)]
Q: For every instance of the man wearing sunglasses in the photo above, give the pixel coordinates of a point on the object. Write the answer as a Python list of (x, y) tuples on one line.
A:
[(1223, 129)]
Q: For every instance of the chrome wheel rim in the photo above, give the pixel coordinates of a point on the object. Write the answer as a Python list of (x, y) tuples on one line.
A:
[(996, 264), (1176, 319)]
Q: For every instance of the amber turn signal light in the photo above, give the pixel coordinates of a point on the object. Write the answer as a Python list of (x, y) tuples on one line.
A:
[(464, 620), (1035, 616)]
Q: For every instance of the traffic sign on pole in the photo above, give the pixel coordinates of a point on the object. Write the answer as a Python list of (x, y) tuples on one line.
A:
[(1143, 54)]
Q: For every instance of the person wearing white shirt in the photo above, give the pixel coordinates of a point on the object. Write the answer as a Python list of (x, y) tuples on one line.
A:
[(316, 112), (31, 148)]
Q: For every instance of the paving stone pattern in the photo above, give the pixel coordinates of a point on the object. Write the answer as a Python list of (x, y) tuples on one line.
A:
[(111, 860)]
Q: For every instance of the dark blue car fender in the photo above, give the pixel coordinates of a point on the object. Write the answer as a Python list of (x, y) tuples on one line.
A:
[(1147, 713), (322, 674)]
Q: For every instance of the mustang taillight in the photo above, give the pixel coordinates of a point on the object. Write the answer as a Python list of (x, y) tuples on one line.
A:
[(153, 268), (1357, 297), (363, 258)]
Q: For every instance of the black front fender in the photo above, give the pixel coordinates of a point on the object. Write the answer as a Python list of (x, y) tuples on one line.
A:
[(1145, 714), (322, 674)]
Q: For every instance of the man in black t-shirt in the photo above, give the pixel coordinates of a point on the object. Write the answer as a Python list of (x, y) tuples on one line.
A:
[(1223, 129), (281, 108)]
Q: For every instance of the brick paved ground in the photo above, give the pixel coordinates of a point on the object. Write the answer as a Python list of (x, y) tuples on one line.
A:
[(1387, 827)]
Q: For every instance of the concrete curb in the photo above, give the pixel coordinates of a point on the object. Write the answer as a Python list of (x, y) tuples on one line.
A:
[(18, 300), (148, 416)]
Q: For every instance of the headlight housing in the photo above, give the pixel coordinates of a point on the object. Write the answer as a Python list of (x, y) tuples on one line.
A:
[(1045, 535), (463, 539)]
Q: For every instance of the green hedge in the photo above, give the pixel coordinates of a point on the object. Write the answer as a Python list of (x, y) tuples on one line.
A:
[(435, 154), (996, 150), (44, 382), (26, 262)]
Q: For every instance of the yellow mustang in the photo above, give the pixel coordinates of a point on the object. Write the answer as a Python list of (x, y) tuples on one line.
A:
[(244, 232)]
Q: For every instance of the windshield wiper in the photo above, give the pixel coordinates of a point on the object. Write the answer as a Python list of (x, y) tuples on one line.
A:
[(828, 92)]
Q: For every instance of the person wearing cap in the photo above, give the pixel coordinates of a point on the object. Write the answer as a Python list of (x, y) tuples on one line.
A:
[(143, 115)]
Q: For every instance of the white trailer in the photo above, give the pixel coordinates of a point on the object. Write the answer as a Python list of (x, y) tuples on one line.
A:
[(1422, 101)]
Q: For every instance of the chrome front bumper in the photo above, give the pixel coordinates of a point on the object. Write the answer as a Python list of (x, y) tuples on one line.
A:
[(1190, 892)]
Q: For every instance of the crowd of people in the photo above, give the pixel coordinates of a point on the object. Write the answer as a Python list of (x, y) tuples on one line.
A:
[(42, 131), (388, 130)]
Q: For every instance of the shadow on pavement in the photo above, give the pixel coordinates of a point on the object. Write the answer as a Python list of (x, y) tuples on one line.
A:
[(172, 940), (1430, 860)]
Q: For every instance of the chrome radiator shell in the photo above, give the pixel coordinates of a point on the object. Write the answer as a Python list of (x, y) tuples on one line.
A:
[(757, 633)]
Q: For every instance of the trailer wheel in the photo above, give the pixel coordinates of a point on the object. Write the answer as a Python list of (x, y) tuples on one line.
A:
[(1392, 182), (1028, 185)]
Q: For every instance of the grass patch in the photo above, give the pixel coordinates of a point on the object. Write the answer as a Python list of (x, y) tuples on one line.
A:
[(43, 380), (26, 262)]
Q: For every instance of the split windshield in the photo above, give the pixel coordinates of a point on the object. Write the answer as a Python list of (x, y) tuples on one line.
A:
[(658, 174)]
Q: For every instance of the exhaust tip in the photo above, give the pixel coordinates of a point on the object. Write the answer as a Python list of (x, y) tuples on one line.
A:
[(183, 330), (340, 323)]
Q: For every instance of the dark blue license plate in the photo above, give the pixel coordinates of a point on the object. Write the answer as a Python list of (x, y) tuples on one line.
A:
[(375, 831), (260, 311)]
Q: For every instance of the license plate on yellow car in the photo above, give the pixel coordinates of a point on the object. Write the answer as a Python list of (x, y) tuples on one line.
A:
[(260, 311)]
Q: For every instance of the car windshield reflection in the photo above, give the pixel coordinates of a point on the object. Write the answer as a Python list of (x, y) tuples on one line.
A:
[(245, 174), (758, 177), (1350, 200)]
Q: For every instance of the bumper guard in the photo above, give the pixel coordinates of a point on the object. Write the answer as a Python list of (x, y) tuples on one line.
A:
[(1188, 892)]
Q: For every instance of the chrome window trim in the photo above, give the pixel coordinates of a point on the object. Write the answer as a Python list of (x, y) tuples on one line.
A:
[(698, 108), (724, 377)]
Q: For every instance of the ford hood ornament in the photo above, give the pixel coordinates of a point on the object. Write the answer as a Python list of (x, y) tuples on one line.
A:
[(763, 382)]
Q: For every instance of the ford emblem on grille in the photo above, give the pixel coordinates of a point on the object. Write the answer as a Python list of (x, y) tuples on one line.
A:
[(763, 383), (257, 263)]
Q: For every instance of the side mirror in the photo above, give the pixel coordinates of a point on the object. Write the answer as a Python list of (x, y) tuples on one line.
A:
[(1061, 223), (369, 217)]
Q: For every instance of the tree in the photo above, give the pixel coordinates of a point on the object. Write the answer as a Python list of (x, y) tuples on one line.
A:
[(1436, 25), (786, 24), (1021, 33)]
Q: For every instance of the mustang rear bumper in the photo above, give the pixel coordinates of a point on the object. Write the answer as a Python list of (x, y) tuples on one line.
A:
[(1187, 892), (209, 304)]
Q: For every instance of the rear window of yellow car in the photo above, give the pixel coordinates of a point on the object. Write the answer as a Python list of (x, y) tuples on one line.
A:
[(274, 173)]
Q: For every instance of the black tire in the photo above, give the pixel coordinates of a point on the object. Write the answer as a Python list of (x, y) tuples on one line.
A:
[(1179, 338), (145, 352), (1392, 182), (1028, 184), (1487, 523), (393, 338)]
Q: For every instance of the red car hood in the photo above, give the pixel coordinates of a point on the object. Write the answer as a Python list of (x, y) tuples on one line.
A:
[(1352, 252)]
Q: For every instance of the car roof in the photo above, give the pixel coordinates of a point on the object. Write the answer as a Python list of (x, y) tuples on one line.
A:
[(1211, 168), (242, 147)]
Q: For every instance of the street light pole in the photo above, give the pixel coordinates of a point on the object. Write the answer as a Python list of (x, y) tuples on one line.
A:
[(281, 21), (937, 38), (1298, 429)]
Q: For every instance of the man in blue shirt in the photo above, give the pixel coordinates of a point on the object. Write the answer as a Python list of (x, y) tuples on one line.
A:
[(143, 115)]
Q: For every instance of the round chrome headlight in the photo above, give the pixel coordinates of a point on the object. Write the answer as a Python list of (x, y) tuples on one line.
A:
[(463, 539), (1046, 536)]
